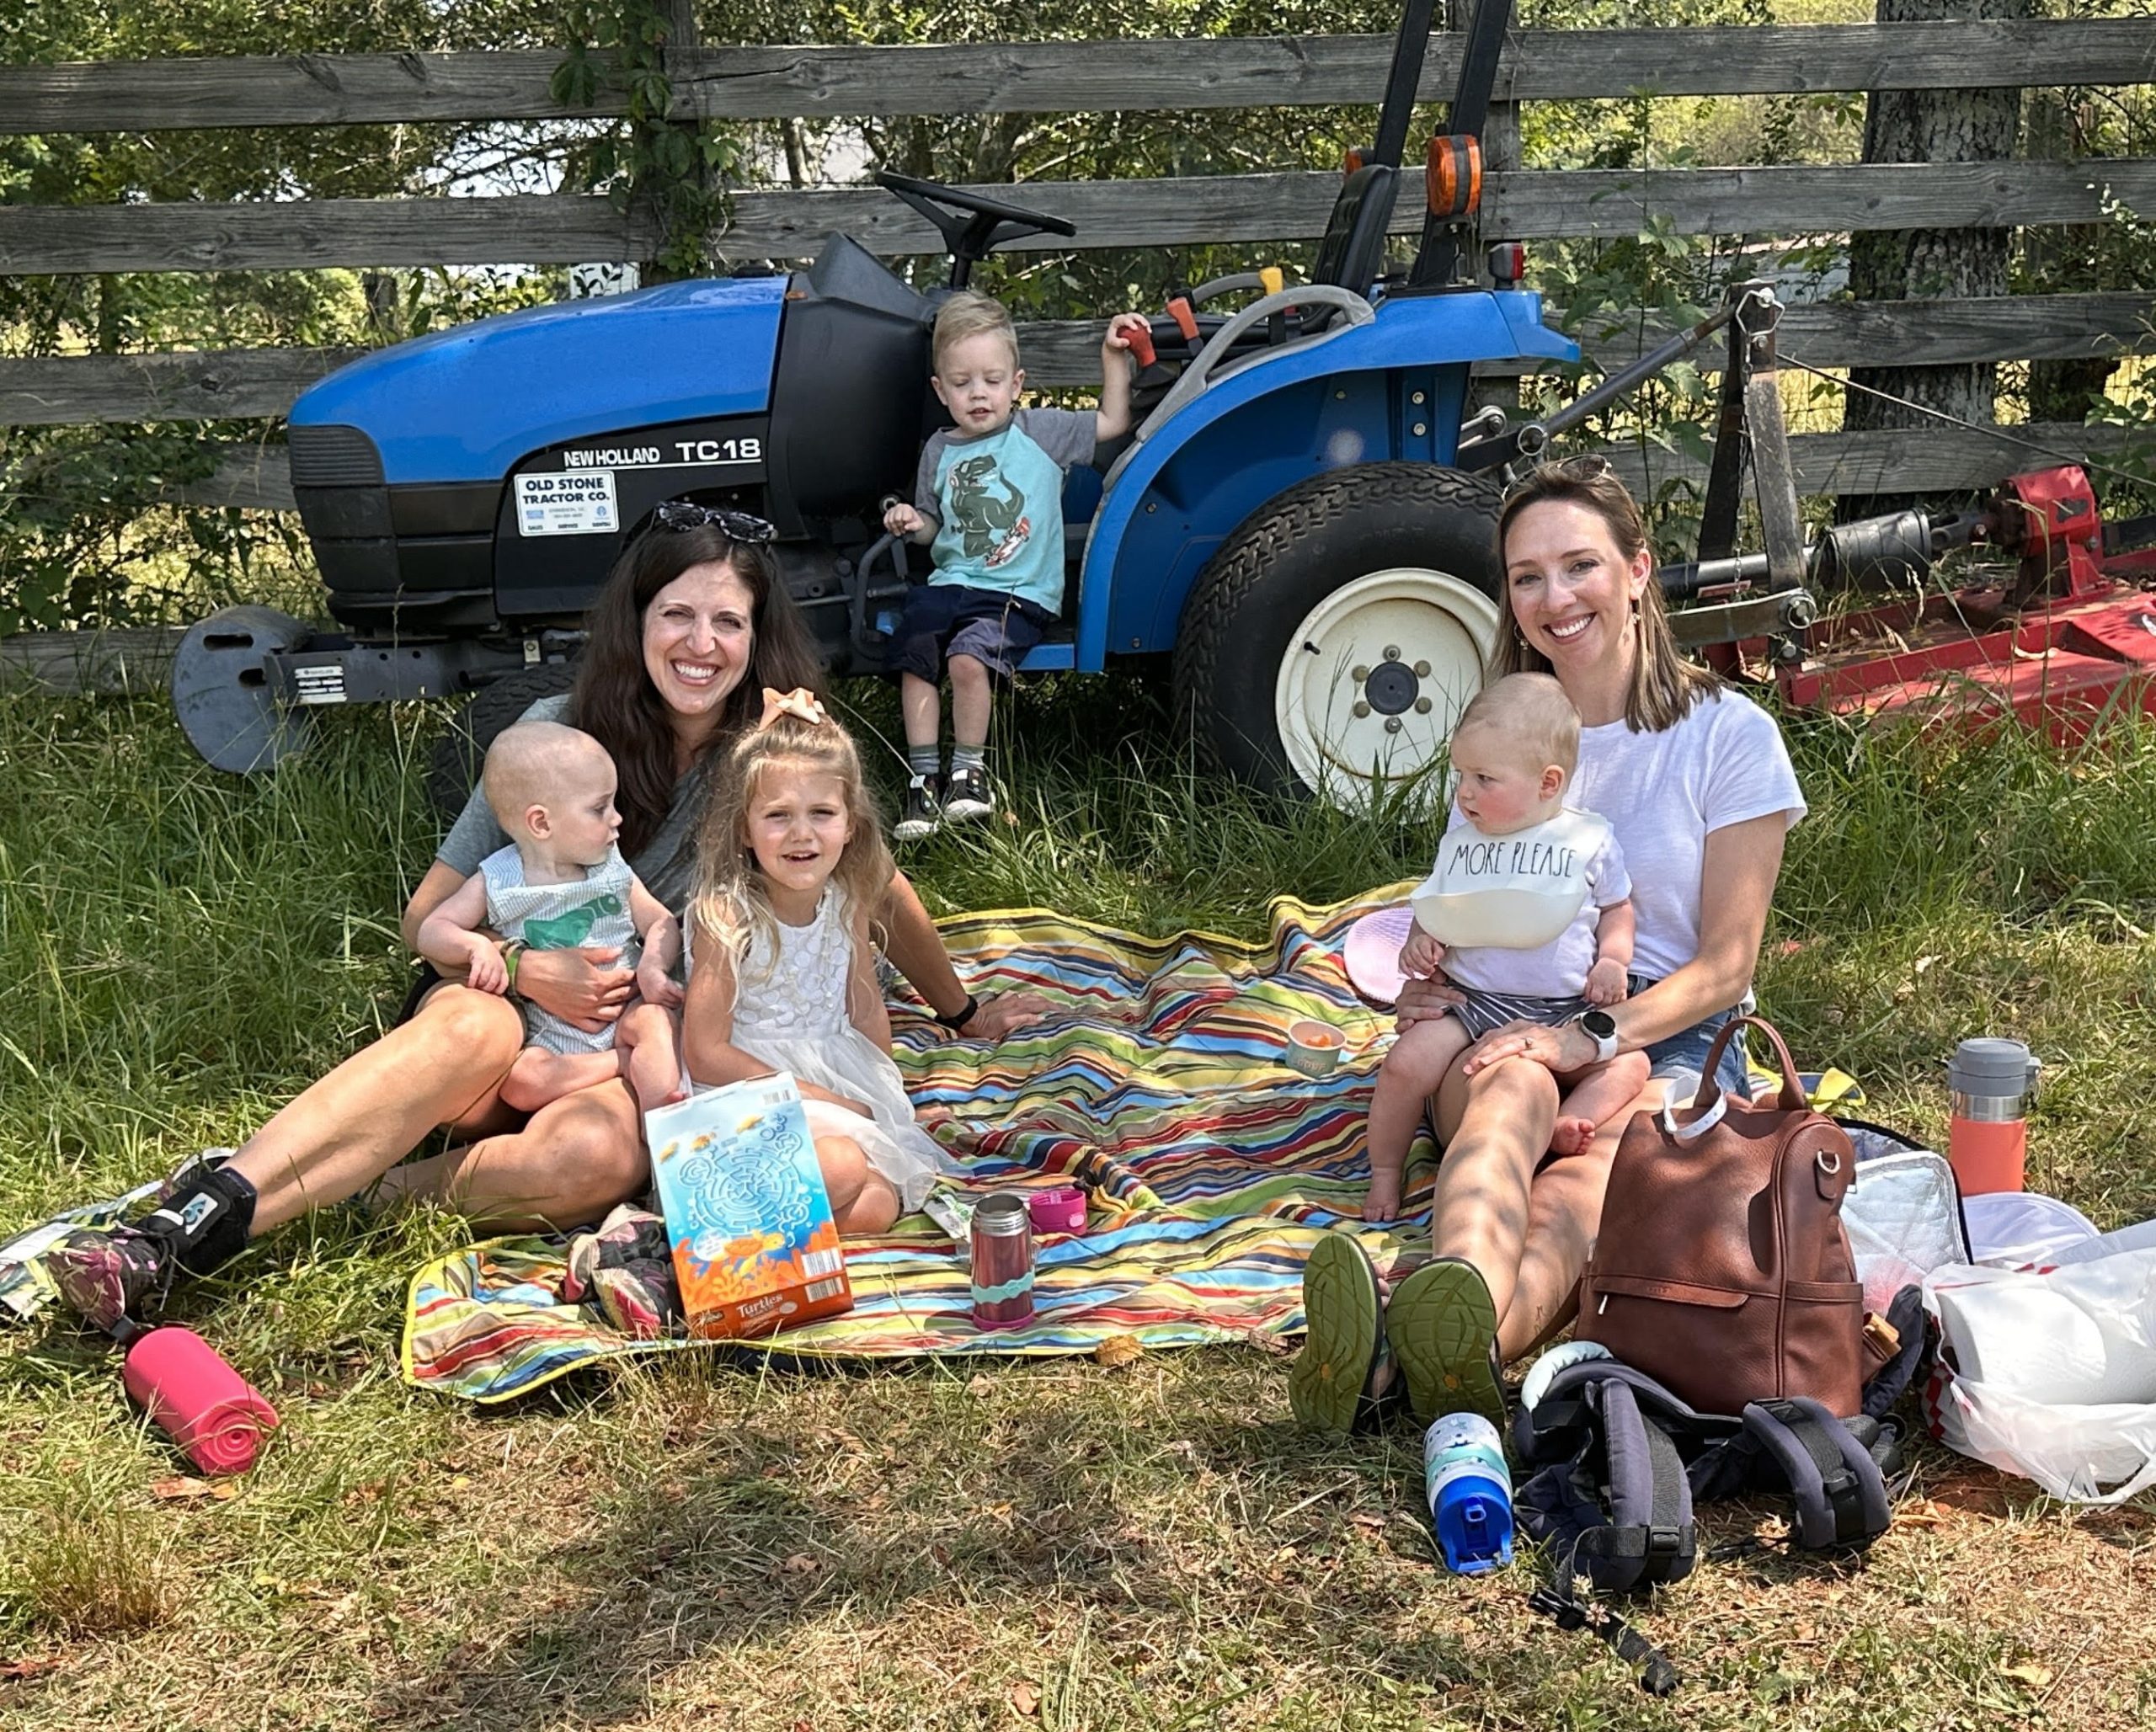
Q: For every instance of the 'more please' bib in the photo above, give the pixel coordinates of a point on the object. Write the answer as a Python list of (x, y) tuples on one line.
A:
[(1519, 892)]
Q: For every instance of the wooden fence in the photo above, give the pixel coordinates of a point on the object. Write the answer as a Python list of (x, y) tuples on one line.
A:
[(767, 82)]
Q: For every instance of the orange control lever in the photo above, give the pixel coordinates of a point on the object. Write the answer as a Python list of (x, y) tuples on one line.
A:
[(1140, 339), (1186, 320)]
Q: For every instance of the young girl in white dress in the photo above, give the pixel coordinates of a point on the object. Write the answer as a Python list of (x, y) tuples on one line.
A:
[(783, 977)]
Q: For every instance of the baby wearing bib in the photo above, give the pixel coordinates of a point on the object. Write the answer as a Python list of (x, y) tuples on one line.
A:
[(1529, 913)]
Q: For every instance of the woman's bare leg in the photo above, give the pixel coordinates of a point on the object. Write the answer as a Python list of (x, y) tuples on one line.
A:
[(1499, 1123), (573, 1161), (1564, 1213), (342, 1133)]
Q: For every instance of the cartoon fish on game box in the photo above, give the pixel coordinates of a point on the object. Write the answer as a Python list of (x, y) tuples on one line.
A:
[(755, 1247)]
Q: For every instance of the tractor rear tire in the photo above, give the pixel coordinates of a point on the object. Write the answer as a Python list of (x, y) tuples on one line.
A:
[(454, 770), (1329, 645)]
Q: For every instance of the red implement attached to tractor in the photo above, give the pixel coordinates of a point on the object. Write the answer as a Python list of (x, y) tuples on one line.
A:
[(2070, 637)]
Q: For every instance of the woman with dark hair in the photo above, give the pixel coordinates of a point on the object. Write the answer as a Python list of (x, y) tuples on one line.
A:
[(1698, 788), (692, 625)]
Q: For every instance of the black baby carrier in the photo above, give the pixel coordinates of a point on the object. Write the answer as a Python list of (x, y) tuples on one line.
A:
[(1615, 1462)]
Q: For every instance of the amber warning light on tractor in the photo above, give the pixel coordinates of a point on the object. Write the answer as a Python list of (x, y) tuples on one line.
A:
[(1454, 175)]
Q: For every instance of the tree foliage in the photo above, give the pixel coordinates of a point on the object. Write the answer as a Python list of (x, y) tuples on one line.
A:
[(74, 548)]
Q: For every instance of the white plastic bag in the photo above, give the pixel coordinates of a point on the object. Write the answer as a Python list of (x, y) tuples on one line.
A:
[(2039, 1362)]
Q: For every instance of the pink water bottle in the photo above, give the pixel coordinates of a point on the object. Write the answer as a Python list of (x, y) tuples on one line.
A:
[(198, 1400), (1988, 1138)]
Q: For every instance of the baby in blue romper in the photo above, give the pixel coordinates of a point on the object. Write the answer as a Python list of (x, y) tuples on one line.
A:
[(562, 884)]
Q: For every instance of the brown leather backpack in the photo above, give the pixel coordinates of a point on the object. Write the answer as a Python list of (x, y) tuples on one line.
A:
[(1721, 1269)]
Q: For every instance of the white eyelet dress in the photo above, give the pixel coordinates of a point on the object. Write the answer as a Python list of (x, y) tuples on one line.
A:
[(789, 1011)]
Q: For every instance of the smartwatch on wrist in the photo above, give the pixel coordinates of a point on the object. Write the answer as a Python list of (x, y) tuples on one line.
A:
[(1600, 1027)]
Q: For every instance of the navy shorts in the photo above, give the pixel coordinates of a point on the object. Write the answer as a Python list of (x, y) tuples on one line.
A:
[(1687, 1049), (940, 621)]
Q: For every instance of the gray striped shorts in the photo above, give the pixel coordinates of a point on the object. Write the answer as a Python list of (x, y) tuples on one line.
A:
[(1481, 1011)]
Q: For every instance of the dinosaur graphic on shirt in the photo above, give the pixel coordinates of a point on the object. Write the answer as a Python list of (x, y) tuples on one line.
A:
[(570, 929), (990, 522)]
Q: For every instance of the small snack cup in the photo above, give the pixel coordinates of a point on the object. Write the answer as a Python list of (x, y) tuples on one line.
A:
[(1314, 1048)]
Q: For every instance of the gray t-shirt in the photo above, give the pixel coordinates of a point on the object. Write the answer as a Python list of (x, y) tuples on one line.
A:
[(666, 864)]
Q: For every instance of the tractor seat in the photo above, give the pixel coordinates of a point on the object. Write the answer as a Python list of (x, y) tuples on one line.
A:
[(1351, 253)]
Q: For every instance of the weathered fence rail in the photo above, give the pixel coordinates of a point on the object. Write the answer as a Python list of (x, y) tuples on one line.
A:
[(558, 229), (746, 83), (217, 385), (755, 84)]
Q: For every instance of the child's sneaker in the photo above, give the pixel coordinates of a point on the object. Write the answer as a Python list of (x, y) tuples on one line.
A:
[(923, 815), (968, 795)]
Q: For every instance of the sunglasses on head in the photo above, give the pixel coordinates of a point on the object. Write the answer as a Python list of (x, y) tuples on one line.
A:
[(742, 527), (1571, 469)]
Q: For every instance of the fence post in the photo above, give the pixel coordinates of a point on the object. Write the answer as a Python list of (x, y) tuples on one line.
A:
[(667, 264), (1501, 155), (1930, 127)]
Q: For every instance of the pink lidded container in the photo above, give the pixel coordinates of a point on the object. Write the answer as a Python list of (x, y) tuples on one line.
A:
[(196, 1399), (1061, 1208)]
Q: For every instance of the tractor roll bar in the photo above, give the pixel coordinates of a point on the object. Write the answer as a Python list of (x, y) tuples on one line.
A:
[(1437, 254), (1409, 49)]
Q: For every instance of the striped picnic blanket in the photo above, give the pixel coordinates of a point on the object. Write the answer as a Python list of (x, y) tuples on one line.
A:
[(1163, 1080)]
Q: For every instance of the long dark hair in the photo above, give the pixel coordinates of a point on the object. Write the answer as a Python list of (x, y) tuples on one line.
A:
[(1664, 686), (615, 701)]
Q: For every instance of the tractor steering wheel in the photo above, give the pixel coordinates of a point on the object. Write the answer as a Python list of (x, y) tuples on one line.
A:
[(972, 225)]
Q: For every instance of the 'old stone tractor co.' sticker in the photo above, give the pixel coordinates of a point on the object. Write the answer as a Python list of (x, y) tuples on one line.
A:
[(579, 504)]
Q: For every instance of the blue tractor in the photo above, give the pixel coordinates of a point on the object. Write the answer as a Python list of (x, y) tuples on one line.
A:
[(1299, 519)]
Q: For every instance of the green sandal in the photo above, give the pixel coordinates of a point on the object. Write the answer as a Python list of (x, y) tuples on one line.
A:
[(1329, 1382), (1442, 1330)]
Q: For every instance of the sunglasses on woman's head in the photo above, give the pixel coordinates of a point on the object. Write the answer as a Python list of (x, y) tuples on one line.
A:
[(1578, 470), (738, 526)]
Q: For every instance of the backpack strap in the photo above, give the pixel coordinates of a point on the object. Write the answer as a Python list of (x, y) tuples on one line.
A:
[(1841, 1497), (1657, 1676), (1648, 1538), (1619, 1512)]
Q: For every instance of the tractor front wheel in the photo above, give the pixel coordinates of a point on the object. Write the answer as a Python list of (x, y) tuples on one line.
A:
[(1330, 644), (461, 749)]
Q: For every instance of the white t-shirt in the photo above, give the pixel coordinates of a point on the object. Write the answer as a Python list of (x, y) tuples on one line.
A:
[(1663, 793), (1590, 877)]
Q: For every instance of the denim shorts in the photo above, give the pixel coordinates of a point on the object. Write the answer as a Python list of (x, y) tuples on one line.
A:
[(1687, 1049), (939, 620)]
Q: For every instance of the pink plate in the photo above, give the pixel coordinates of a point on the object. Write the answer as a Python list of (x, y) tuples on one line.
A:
[(1372, 952)]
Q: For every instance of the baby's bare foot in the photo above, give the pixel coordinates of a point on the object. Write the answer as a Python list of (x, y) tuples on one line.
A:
[(1571, 1136)]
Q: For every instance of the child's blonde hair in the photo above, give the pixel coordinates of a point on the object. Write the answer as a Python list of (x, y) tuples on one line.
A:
[(1533, 713), (969, 314), (731, 903)]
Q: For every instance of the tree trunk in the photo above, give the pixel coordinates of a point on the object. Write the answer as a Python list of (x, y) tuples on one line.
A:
[(1931, 126), (2062, 260)]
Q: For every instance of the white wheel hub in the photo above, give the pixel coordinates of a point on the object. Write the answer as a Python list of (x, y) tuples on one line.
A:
[(1375, 677)]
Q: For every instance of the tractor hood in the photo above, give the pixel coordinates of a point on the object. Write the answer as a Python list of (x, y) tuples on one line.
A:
[(463, 405)]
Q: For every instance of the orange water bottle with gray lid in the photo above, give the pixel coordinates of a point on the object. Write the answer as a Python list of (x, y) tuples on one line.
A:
[(1987, 1142)]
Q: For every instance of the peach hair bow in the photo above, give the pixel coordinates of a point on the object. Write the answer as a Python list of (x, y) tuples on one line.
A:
[(800, 703)]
